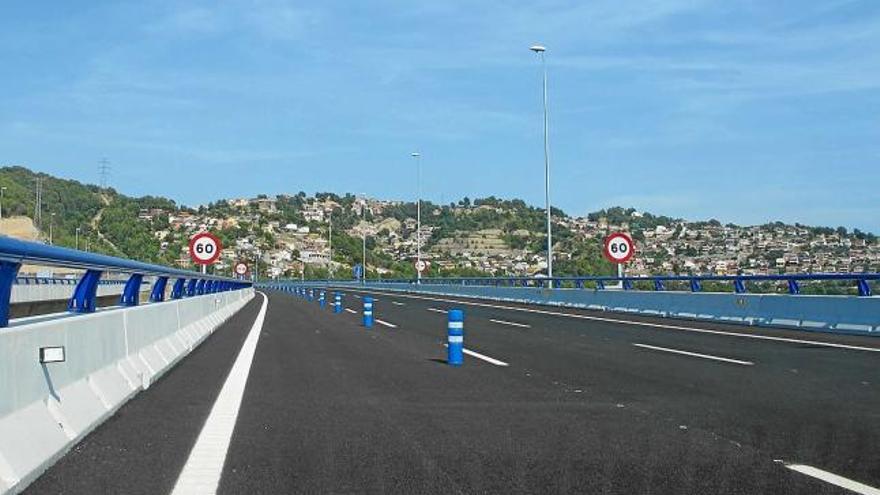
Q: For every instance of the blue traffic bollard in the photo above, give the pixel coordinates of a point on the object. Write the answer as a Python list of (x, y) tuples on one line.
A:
[(368, 311), (311, 295), (455, 338), (322, 299), (337, 302)]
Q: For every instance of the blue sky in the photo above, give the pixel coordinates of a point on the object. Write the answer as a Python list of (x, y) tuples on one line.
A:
[(745, 111)]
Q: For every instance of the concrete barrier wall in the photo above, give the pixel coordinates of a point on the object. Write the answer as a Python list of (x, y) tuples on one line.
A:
[(839, 314), (111, 355)]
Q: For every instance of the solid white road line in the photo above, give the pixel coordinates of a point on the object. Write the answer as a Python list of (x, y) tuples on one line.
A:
[(389, 325), (201, 473), (477, 355), (437, 310), (651, 325), (511, 323), (834, 479), (695, 354), (351, 311)]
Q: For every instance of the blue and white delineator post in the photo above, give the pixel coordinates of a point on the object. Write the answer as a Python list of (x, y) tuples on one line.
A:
[(337, 302), (455, 338), (322, 298), (311, 295), (368, 311)]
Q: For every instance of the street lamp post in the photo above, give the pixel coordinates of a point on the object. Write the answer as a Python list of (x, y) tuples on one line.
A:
[(539, 50), (364, 232), (418, 157), (51, 227), (330, 265), (77, 237)]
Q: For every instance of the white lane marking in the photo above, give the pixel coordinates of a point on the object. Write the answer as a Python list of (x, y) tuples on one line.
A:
[(437, 310), (201, 473), (652, 325), (695, 354), (351, 311), (834, 479), (397, 303), (357, 296), (482, 356), (389, 325), (511, 323)]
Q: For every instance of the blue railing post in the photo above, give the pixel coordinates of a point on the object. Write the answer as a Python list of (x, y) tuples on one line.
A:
[(627, 284), (200, 287), (191, 287), (739, 286), (368, 311), (177, 288), (600, 284), (455, 338), (696, 286), (793, 287), (132, 291), (8, 272), (158, 292), (864, 288), (84, 298), (658, 285)]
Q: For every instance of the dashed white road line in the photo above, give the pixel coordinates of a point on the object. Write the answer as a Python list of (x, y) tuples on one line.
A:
[(619, 321), (484, 357), (351, 311), (834, 479), (510, 323), (201, 473), (438, 310), (382, 322), (695, 354), (398, 303), (357, 296)]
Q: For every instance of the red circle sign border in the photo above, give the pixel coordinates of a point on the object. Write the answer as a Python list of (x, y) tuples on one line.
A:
[(607, 253), (212, 259)]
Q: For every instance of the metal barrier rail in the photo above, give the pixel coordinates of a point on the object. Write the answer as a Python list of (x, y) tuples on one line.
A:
[(59, 281), (659, 282), (14, 252)]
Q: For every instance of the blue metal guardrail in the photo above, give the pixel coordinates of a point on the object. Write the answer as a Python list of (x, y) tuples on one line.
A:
[(188, 283), (659, 282), (59, 281)]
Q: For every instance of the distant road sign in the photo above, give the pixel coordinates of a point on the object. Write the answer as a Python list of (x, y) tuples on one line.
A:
[(205, 248), (358, 271), (619, 248), (241, 268), (421, 265)]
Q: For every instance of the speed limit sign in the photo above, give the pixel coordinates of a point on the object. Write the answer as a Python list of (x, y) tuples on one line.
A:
[(619, 248), (421, 265), (204, 248), (241, 268)]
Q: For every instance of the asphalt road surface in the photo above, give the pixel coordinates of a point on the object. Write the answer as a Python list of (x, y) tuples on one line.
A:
[(548, 401)]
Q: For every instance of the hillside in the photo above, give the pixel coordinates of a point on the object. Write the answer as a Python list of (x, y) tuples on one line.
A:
[(488, 236)]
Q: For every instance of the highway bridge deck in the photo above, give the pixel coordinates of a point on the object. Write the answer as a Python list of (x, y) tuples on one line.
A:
[(553, 401)]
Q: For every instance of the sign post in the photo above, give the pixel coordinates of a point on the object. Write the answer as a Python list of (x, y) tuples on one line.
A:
[(204, 249)]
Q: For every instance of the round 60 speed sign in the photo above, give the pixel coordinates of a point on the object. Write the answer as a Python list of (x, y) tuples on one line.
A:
[(619, 248), (241, 268), (204, 248)]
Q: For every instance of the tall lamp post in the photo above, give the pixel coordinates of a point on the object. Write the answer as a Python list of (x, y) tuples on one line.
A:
[(51, 227), (330, 244), (364, 232), (77, 238), (539, 50), (418, 157)]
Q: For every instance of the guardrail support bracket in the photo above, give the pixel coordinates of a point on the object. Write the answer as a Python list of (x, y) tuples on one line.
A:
[(84, 298), (8, 272), (131, 292), (158, 292)]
